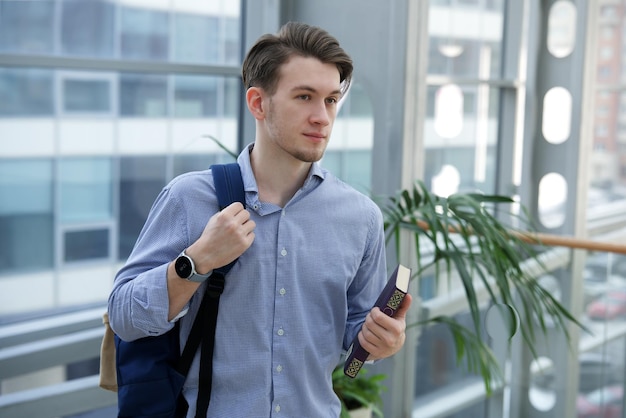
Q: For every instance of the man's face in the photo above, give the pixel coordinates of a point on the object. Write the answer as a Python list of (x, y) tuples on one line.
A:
[(302, 111)]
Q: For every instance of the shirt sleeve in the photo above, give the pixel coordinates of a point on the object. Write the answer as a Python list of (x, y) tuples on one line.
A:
[(138, 304), (370, 279)]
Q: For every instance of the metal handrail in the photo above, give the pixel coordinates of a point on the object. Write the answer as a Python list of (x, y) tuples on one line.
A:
[(43, 343)]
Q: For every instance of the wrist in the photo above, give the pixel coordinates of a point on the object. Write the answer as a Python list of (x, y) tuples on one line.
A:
[(186, 268)]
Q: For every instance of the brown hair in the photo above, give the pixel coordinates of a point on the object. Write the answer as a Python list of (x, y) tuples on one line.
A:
[(264, 59)]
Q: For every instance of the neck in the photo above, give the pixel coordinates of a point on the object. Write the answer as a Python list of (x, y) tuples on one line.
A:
[(278, 178)]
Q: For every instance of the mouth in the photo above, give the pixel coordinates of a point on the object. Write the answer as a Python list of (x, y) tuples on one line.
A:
[(315, 136)]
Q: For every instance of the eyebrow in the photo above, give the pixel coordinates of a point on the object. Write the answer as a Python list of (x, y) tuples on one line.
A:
[(312, 90)]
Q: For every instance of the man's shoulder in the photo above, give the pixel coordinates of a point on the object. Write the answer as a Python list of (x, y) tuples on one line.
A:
[(192, 185), (189, 179), (339, 189)]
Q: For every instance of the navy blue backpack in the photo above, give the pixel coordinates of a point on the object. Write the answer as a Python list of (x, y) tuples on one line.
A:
[(151, 371)]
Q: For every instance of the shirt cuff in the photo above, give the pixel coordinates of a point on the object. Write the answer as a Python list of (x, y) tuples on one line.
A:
[(182, 313)]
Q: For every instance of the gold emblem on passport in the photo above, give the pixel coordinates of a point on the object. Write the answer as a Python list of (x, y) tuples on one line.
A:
[(395, 300), (354, 367)]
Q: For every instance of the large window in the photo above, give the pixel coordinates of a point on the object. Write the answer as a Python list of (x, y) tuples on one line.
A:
[(465, 47), (124, 98), (465, 84)]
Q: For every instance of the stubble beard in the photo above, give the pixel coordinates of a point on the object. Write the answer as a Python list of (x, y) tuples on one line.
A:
[(281, 140)]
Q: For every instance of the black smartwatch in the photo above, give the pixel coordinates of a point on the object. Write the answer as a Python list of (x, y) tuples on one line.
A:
[(186, 269)]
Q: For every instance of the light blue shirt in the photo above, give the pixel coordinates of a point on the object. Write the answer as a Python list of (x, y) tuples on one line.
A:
[(291, 303)]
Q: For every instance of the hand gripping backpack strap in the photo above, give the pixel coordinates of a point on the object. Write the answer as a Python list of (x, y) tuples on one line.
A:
[(229, 188)]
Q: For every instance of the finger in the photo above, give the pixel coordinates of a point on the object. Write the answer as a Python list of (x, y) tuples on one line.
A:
[(233, 209), (372, 331), (249, 227), (242, 216)]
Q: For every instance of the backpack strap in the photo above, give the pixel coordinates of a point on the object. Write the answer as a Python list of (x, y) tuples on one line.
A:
[(228, 184), (229, 188)]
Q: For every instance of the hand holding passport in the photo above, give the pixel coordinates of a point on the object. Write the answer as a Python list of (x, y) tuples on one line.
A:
[(389, 301)]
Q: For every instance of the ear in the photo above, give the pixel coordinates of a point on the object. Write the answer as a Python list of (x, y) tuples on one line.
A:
[(254, 100)]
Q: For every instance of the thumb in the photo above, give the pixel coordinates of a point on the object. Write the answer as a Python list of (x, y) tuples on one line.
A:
[(404, 307)]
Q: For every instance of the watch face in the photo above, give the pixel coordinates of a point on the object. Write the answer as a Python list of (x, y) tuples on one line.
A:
[(183, 267)]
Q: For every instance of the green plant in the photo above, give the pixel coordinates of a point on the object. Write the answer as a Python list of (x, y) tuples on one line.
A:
[(362, 391), (468, 238)]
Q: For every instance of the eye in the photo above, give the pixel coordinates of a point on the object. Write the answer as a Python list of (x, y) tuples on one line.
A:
[(331, 100), (304, 97)]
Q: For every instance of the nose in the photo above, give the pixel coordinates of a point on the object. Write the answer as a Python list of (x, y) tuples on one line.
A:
[(321, 114)]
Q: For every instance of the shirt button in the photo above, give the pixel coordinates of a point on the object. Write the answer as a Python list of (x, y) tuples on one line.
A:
[(282, 291), (277, 408), (279, 368), (281, 332), (283, 252)]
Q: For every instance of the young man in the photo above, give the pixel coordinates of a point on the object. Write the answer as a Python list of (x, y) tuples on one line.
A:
[(311, 249)]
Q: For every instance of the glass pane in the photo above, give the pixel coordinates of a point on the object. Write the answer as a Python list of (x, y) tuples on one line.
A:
[(143, 95), (350, 155), (196, 38), (436, 361), (91, 96), (86, 245), (232, 41), (607, 162), (465, 39), (27, 26), (144, 33), (26, 92), (357, 103), (196, 96), (85, 189), (187, 163), (26, 216), (449, 111), (353, 167), (232, 93), (461, 138), (25, 186), (87, 28), (141, 180), (207, 32)]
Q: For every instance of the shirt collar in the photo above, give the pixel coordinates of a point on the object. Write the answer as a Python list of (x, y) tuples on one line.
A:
[(249, 181)]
